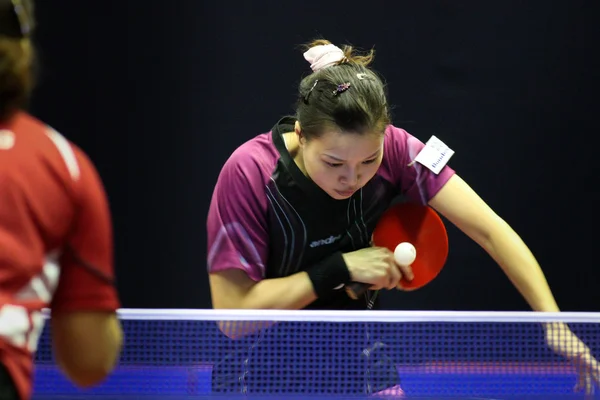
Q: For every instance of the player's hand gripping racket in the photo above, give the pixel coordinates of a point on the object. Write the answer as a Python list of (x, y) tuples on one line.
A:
[(424, 229)]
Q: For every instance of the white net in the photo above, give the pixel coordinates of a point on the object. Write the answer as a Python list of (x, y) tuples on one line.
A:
[(334, 354)]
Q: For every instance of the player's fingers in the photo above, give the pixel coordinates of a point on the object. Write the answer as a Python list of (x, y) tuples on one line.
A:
[(407, 271), (379, 282), (589, 362), (589, 385), (585, 383), (389, 273), (394, 276), (394, 273), (594, 375), (580, 386), (589, 372)]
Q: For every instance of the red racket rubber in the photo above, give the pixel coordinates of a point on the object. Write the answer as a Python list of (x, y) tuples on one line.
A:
[(423, 228)]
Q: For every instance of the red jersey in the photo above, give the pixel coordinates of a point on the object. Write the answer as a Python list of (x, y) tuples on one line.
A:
[(56, 248)]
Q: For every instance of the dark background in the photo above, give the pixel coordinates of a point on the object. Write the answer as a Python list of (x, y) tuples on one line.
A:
[(159, 94)]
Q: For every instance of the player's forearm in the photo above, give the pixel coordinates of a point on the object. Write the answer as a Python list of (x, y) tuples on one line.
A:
[(292, 292), (289, 293), (514, 257), (233, 289)]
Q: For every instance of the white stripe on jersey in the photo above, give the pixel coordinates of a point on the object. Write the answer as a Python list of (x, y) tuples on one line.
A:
[(22, 327), (66, 151)]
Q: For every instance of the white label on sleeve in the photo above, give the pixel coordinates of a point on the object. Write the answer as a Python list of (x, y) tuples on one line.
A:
[(435, 155)]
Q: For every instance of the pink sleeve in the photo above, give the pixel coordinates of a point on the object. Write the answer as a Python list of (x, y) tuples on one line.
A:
[(236, 225), (414, 181)]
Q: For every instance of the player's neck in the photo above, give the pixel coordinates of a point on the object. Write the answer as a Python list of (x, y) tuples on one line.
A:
[(293, 147)]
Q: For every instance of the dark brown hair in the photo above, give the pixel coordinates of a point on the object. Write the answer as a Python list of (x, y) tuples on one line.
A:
[(361, 109), (16, 55), (16, 77)]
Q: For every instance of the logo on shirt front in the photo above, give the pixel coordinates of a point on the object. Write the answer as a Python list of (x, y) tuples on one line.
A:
[(330, 240)]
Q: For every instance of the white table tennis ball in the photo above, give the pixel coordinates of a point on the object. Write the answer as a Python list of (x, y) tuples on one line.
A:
[(405, 253)]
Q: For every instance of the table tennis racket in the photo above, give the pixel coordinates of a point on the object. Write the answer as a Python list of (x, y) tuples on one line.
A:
[(424, 229)]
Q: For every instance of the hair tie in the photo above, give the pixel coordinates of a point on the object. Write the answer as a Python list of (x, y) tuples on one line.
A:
[(323, 56)]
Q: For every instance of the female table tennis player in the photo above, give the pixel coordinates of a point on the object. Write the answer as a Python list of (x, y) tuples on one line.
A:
[(293, 211), (55, 234)]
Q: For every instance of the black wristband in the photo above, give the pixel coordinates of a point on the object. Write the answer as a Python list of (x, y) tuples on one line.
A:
[(329, 274)]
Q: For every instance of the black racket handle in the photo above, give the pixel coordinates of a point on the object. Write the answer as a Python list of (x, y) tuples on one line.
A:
[(356, 289)]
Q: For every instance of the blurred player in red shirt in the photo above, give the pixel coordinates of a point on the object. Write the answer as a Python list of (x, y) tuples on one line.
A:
[(56, 247)]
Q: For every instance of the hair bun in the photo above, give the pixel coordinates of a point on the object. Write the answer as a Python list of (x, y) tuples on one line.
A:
[(322, 53), (323, 56)]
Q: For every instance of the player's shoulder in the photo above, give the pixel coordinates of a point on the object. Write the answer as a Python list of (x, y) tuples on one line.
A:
[(394, 133), (253, 161), (24, 121), (42, 140), (395, 142), (34, 134), (399, 150), (398, 142), (27, 130)]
